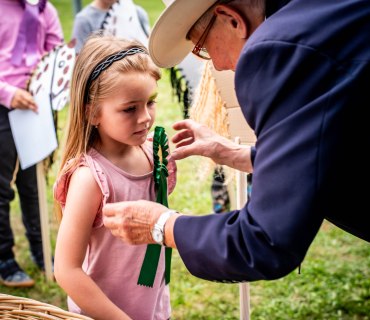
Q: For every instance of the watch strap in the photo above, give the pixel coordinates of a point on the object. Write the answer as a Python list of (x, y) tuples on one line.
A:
[(163, 219)]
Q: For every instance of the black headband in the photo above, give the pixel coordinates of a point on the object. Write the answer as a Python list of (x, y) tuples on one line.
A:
[(108, 62)]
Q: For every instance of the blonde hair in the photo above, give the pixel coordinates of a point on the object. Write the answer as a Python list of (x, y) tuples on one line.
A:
[(84, 101)]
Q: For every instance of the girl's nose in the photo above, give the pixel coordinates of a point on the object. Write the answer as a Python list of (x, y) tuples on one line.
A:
[(145, 116)]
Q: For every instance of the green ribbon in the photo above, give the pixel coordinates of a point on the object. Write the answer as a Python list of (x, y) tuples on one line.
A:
[(160, 174)]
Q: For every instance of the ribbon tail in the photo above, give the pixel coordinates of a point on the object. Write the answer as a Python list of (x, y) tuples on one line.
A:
[(153, 251), (150, 265), (162, 191), (168, 255)]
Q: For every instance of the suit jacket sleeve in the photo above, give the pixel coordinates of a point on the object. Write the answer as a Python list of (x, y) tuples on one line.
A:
[(288, 106)]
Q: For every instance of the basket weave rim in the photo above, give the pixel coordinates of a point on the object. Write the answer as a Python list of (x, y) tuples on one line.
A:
[(27, 308)]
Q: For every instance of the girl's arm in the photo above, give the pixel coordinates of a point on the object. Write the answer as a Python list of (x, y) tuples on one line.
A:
[(82, 203)]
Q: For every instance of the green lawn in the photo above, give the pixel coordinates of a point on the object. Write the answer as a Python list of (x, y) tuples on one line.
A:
[(335, 278)]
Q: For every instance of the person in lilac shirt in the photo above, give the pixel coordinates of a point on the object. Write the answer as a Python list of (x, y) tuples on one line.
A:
[(27, 31)]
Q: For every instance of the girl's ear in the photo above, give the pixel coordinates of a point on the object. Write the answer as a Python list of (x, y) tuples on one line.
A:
[(233, 20), (91, 115)]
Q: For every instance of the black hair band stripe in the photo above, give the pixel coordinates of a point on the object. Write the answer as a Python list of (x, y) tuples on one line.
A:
[(108, 62)]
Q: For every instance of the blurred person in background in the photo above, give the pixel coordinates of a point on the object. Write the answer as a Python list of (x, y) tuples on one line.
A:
[(27, 31)]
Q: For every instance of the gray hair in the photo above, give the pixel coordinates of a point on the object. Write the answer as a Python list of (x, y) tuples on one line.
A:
[(253, 7)]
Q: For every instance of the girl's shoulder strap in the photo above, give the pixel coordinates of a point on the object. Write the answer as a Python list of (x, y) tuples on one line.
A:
[(62, 183)]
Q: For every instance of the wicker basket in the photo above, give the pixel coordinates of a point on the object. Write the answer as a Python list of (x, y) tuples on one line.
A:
[(18, 308)]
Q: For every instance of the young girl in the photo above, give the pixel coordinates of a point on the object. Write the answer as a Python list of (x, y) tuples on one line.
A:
[(108, 158)]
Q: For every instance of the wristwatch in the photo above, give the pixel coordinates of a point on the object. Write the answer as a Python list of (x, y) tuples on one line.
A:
[(158, 229)]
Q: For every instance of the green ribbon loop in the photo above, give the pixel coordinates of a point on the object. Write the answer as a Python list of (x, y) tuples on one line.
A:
[(160, 174)]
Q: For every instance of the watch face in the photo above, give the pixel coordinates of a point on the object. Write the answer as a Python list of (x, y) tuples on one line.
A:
[(157, 235)]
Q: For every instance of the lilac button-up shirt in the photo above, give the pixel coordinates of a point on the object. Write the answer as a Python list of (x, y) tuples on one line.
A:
[(49, 35)]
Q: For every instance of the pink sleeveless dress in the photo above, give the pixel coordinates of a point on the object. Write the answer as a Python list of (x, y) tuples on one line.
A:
[(113, 265)]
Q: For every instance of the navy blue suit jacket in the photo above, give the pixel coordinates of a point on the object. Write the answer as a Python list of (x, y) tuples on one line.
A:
[(303, 83)]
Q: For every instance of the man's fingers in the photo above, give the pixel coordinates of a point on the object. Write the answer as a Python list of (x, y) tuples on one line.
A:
[(185, 143), (185, 134), (109, 210), (131, 221), (182, 124), (185, 124), (182, 152)]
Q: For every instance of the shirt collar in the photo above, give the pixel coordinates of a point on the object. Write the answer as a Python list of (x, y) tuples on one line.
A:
[(273, 6)]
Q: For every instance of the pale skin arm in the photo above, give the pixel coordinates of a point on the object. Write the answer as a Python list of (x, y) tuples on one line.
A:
[(82, 203), (132, 221), (197, 139), (22, 99)]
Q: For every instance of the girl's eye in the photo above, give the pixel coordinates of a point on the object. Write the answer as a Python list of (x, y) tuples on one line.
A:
[(151, 103), (130, 109)]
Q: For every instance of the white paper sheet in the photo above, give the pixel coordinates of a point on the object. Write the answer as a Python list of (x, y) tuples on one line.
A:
[(34, 133)]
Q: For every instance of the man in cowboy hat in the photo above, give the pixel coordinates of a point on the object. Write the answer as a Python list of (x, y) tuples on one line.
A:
[(302, 75)]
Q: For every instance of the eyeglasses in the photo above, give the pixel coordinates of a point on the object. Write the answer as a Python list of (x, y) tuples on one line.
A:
[(199, 50)]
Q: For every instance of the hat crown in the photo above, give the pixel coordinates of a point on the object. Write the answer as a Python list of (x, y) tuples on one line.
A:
[(168, 42)]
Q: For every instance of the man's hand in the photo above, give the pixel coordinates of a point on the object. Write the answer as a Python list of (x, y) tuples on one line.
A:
[(22, 99), (132, 221), (197, 139), (194, 139)]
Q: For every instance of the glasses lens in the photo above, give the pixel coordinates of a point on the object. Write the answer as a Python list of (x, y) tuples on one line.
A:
[(203, 53), (199, 50)]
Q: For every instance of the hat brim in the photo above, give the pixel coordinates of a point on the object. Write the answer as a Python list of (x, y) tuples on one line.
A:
[(168, 45)]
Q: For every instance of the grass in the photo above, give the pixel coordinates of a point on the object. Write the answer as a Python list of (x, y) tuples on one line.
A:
[(335, 278)]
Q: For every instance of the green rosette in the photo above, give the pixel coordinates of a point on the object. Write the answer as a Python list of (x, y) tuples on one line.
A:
[(160, 174)]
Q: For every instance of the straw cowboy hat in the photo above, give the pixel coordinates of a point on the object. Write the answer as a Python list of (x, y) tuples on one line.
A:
[(168, 45)]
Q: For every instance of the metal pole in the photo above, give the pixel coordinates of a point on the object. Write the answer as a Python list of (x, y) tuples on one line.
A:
[(77, 6), (241, 199)]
